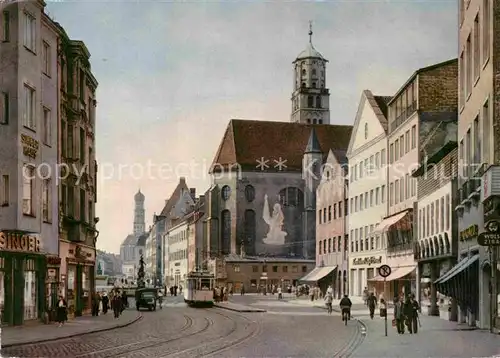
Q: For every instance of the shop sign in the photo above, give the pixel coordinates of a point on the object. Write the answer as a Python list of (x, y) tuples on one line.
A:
[(16, 241), (30, 146), (469, 233), (53, 260), (372, 260)]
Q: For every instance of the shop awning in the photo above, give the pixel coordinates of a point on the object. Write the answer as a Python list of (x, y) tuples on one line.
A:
[(318, 273), (458, 268), (396, 274), (388, 222)]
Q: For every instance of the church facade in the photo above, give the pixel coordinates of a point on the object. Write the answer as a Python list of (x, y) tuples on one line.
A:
[(265, 176)]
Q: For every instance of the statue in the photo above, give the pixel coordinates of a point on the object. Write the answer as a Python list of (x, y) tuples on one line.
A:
[(276, 235), (99, 269)]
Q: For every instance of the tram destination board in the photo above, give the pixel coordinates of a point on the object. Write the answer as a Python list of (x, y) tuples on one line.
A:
[(488, 239)]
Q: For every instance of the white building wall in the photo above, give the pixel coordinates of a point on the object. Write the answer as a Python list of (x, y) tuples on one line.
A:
[(367, 199), (178, 254)]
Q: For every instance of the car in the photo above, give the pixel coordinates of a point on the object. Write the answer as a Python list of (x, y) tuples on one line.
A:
[(146, 298)]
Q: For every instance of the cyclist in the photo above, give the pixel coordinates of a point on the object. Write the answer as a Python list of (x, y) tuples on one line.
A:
[(345, 306)]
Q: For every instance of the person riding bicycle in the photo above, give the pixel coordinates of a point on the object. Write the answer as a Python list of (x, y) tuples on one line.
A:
[(345, 306)]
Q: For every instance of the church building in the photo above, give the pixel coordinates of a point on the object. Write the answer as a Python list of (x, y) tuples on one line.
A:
[(262, 204)]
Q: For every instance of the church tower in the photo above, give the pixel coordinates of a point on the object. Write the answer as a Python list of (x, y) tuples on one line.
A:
[(311, 172), (310, 97), (139, 214)]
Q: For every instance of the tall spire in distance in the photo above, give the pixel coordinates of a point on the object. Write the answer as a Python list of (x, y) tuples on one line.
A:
[(310, 31)]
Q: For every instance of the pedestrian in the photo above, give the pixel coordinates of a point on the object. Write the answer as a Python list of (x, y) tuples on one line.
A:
[(365, 296), (408, 313), (124, 300), (242, 290), (372, 303), (105, 303), (62, 311), (383, 308), (96, 299), (399, 315), (116, 304), (416, 309), (171, 290)]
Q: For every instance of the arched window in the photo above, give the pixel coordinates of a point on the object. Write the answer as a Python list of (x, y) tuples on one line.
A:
[(318, 101), (314, 84), (320, 121), (314, 72), (366, 130), (310, 101), (249, 193), (226, 232), (250, 236), (314, 121), (304, 72), (291, 196)]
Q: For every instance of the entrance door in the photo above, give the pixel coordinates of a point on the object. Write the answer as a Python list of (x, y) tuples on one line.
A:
[(13, 280)]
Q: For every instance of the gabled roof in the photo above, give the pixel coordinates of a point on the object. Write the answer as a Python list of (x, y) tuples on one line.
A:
[(174, 198), (379, 107), (246, 141), (129, 240)]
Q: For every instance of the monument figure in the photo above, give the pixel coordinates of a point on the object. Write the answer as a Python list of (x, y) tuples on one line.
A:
[(275, 235)]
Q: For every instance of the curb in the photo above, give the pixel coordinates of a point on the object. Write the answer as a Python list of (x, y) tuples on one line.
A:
[(245, 310), (120, 325)]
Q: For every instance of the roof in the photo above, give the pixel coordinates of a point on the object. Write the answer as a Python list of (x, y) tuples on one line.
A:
[(246, 141), (139, 196), (129, 240), (174, 198), (141, 240), (382, 105), (422, 70), (267, 259), (310, 52)]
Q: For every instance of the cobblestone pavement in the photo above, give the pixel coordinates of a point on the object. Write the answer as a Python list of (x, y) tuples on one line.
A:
[(179, 331)]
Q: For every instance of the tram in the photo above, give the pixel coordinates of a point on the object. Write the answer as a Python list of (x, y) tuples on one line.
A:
[(200, 289)]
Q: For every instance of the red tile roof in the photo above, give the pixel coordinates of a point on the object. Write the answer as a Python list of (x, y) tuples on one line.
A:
[(246, 141)]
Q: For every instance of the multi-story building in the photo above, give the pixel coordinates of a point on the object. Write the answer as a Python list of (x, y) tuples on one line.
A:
[(367, 155), (331, 234), (435, 228), (177, 238), (78, 186), (426, 103), (29, 215), (479, 86)]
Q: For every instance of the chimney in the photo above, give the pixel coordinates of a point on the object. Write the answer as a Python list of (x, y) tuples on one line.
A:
[(182, 180), (192, 192)]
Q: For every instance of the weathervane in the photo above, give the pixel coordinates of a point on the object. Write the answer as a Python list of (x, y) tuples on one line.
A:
[(310, 31)]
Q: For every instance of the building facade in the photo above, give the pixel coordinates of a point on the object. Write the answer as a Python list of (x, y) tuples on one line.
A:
[(435, 232), (416, 116), (177, 238), (29, 215), (367, 155), (331, 234), (478, 86)]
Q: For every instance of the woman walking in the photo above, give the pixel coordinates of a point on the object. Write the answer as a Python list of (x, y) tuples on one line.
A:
[(62, 311)]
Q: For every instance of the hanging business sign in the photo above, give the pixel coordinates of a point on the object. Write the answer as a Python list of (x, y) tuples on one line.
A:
[(367, 260), (492, 235)]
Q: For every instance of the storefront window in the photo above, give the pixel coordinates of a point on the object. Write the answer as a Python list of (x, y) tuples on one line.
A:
[(86, 287), (30, 291), (71, 288)]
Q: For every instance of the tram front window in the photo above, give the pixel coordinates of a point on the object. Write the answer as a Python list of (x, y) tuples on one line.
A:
[(205, 284)]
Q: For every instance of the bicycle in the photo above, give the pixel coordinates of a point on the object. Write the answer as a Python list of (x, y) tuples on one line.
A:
[(329, 308), (345, 313)]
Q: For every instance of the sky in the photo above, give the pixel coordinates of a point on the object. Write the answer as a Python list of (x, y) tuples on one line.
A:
[(172, 74)]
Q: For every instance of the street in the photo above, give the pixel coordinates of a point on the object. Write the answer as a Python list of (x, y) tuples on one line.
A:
[(180, 331)]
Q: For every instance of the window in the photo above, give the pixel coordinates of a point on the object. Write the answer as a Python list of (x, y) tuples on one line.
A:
[(310, 102), (255, 268), (249, 191), (432, 219), (402, 190), (486, 134), (391, 194), (486, 30), (361, 202), (391, 153), (396, 192), (70, 141), (477, 47), (46, 201), (47, 134), (462, 79), (91, 213), (382, 195), (468, 143), (371, 165), (477, 143), (5, 190), (329, 213), (447, 217), (46, 58), (407, 141), (29, 107), (324, 215), (382, 157), (29, 32), (226, 192), (236, 268), (366, 200), (28, 188), (377, 160), (275, 268), (82, 145), (4, 108), (329, 245), (468, 68), (6, 26), (413, 137), (396, 150), (407, 186), (340, 209), (413, 185), (82, 85), (401, 146), (366, 130), (318, 103), (461, 158), (285, 268), (441, 214)]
